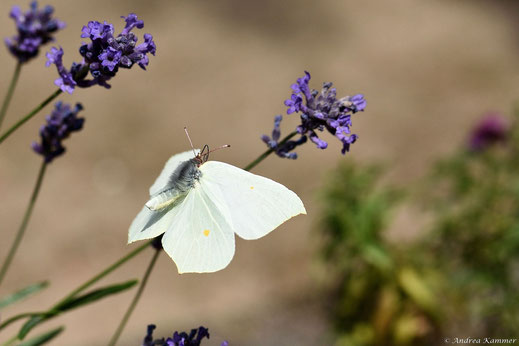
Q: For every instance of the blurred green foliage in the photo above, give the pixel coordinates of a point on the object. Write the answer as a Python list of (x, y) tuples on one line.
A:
[(379, 297), (458, 278)]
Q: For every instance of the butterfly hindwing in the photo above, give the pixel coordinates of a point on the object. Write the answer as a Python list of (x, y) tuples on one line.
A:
[(149, 224), (200, 238), (257, 205)]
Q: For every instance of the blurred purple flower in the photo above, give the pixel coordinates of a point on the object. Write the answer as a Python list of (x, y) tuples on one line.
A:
[(318, 111), (60, 123), (194, 338), (492, 129), (148, 339), (35, 28), (104, 55)]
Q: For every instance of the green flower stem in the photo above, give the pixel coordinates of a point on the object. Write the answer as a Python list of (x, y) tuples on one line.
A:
[(268, 152), (30, 115), (135, 300), (24, 315), (10, 91), (102, 274), (25, 221), (75, 292), (10, 341)]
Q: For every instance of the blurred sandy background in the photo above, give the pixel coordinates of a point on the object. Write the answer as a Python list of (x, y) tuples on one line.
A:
[(223, 68)]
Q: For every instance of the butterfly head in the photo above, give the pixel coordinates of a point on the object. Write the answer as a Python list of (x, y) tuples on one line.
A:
[(202, 156)]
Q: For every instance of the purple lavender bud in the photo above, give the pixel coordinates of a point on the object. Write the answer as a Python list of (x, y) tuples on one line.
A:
[(294, 103), (110, 58), (60, 124), (359, 103), (282, 149), (132, 22), (66, 81), (276, 132), (35, 28), (194, 338), (105, 54), (346, 142), (319, 142), (490, 130), (322, 110), (148, 339)]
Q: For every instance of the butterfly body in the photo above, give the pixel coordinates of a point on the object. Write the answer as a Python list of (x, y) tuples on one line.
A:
[(200, 205), (179, 183)]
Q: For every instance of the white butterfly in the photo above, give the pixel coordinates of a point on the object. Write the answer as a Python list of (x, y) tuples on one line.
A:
[(199, 205)]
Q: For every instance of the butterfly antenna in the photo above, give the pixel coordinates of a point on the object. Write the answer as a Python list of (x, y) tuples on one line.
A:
[(189, 138), (222, 147)]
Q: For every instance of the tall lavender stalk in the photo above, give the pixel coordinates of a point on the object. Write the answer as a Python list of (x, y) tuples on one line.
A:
[(60, 124), (35, 28)]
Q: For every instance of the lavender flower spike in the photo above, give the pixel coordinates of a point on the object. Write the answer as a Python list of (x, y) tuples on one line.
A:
[(318, 111), (35, 28), (60, 124), (104, 55), (322, 110)]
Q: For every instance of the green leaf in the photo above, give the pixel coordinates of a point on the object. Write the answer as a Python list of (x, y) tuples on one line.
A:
[(23, 293), (416, 287), (30, 324), (43, 338), (75, 302), (94, 295)]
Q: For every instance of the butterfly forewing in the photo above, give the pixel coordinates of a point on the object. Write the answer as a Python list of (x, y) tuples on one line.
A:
[(257, 205)]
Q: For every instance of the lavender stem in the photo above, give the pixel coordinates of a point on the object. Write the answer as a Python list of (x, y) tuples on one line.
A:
[(10, 91), (30, 115), (135, 300), (25, 221), (268, 152)]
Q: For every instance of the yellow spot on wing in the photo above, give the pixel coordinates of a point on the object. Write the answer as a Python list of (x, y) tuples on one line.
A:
[(206, 232), (252, 187)]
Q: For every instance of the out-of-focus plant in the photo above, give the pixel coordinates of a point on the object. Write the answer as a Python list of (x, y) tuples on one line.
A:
[(378, 296), (459, 278), (475, 239)]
